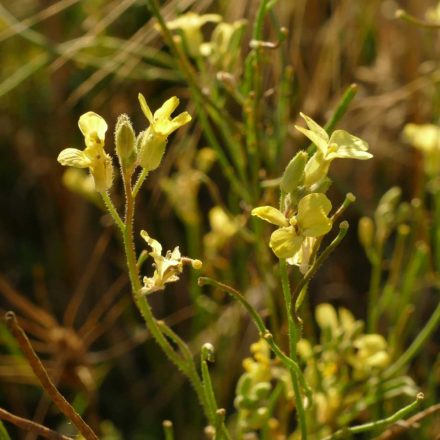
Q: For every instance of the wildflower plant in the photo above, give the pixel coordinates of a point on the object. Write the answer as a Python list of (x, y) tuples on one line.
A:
[(314, 372)]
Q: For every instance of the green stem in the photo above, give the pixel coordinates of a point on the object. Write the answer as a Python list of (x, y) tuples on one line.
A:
[(183, 347), (293, 334), (200, 99), (403, 15), (299, 290), (141, 178), (373, 294), (144, 307), (264, 332), (168, 429), (112, 211), (378, 424), (417, 344), (207, 384)]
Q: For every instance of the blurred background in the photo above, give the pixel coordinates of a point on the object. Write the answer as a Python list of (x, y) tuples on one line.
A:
[(61, 269)]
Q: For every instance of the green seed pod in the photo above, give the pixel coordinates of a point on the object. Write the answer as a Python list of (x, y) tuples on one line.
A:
[(151, 148), (125, 141), (293, 175)]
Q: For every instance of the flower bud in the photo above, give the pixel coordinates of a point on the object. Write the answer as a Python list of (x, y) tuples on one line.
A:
[(366, 232), (125, 141), (316, 169), (326, 317), (208, 352), (293, 175), (151, 147)]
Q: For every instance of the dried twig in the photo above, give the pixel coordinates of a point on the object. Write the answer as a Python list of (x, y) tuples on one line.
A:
[(29, 425), (44, 379)]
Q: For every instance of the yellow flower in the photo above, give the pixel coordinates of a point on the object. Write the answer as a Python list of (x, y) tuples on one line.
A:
[(310, 221), (93, 127), (340, 144), (371, 354), (191, 25), (167, 268), (224, 47), (426, 138), (152, 142), (433, 13)]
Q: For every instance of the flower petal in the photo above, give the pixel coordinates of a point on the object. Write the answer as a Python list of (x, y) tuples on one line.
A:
[(285, 243), (165, 127), (72, 157), (101, 169), (93, 126), (425, 137), (144, 106), (312, 215), (154, 244), (167, 108), (315, 133), (271, 215), (348, 146)]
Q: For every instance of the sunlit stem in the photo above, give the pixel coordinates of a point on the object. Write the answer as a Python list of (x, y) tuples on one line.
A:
[(349, 199), (378, 424), (168, 429), (188, 368), (293, 335), (403, 15), (373, 294), (140, 180), (299, 292), (289, 363), (416, 345), (112, 211)]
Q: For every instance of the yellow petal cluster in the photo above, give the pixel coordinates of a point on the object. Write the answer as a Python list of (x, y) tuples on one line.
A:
[(340, 144), (94, 157), (152, 142), (310, 221)]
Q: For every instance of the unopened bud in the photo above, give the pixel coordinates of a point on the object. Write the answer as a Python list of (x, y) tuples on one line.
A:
[(196, 264), (293, 175), (326, 316), (125, 141), (366, 232), (262, 390), (208, 352), (151, 148)]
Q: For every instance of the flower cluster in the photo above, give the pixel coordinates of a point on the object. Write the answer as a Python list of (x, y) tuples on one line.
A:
[(305, 212), (337, 367), (224, 45), (256, 385), (146, 150)]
